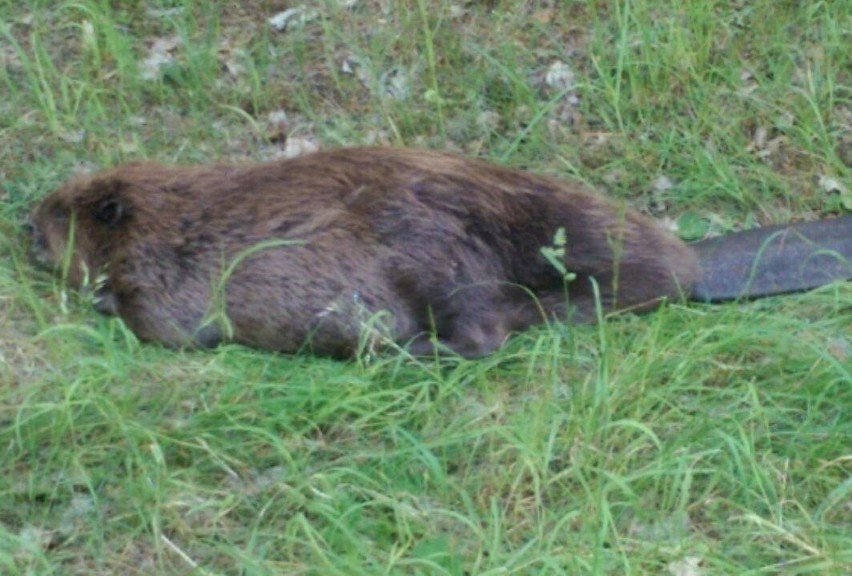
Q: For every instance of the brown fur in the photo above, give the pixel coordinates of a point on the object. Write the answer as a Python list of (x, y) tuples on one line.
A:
[(446, 245)]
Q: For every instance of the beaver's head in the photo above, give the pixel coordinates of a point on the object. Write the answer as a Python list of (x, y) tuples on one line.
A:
[(75, 228)]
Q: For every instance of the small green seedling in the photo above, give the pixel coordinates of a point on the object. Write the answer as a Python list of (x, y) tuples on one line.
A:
[(555, 254)]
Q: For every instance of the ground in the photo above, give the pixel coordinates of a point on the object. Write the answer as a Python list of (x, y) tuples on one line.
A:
[(695, 440)]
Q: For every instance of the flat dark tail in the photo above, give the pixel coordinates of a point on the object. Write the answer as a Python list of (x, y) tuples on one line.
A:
[(774, 260)]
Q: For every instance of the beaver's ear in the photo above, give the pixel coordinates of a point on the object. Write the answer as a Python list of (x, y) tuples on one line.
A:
[(113, 207)]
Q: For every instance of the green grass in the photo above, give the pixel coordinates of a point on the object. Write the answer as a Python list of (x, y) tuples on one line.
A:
[(714, 437)]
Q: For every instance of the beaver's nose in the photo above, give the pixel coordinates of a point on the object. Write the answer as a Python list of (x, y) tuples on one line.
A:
[(29, 228), (34, 235)]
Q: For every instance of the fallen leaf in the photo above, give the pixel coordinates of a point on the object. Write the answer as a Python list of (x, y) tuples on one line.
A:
[(292, 18), (297, 146), (160, 55), (543, 16), (560, 76), (35, 540), (163, 13), (663, 183), (840, 348), (278, 126), (687, 566), (834, 186), (73, 136), (396, 83)]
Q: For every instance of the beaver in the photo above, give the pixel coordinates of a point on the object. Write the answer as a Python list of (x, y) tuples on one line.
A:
[(354, 247)]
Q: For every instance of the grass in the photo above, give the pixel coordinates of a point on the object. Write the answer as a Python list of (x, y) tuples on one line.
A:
[(694, 440)]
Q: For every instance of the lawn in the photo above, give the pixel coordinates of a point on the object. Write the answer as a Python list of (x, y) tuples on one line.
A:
[(695, 440)]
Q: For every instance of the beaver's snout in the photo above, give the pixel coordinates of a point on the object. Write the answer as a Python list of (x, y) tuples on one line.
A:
[(38, 242)]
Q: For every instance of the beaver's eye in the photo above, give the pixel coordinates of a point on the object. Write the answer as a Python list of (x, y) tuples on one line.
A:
[(111, 212)]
